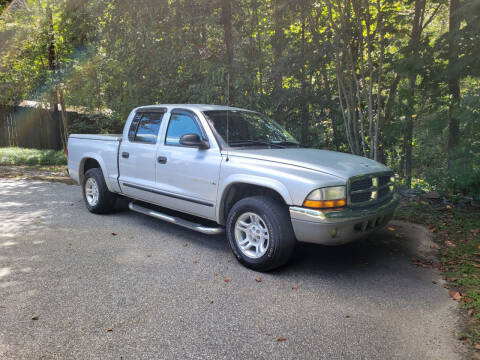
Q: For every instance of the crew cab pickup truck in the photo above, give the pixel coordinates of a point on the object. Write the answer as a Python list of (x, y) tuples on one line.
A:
[(216, 169)]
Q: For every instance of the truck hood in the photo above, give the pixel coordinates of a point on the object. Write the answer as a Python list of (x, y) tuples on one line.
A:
[(334, 163)]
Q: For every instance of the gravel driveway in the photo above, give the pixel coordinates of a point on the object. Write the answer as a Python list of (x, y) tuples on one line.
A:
[(126, 286)]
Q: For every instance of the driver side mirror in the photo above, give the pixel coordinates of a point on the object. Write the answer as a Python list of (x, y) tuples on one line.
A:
[(194, 140)]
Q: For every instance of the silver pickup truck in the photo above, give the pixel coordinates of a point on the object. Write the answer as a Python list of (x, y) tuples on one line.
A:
[(218, 169)]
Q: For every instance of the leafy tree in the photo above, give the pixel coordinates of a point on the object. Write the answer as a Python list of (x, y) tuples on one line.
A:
[(393, 80)]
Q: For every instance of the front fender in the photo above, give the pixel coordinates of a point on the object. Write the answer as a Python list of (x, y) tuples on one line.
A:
[(252, 180)]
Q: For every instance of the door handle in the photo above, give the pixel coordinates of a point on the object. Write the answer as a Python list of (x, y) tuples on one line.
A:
[(162, 160), (125, 155)]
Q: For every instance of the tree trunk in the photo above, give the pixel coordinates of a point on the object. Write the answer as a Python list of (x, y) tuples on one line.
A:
[(387, 118), (328, 96), (277, 43), (413, 44), (409, 131), (56, 140), (453, 80), (304, 113), (65, 131), (226, 20)]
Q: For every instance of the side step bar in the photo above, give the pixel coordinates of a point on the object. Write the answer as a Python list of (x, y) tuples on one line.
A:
[(176, 220)]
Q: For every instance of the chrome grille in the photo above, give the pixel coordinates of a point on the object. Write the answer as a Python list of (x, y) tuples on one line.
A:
[(369, 189)]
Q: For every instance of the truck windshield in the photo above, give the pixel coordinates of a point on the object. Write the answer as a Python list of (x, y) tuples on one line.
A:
[(247, 128)]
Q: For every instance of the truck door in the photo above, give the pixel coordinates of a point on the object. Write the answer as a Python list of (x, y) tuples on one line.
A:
[(188, 175), (137, 158)]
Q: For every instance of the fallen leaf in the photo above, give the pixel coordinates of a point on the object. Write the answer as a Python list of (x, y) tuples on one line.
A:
[(114, 234), (467, 300), (464, 275), (475, 231), (435, 246), (211, 301), (452, 279), (450, 243), (35, 317), (226, 279), (476, 266), (280, 339), (258, 279), (455, 295), (391, 228), (109, 329), (477, 347)]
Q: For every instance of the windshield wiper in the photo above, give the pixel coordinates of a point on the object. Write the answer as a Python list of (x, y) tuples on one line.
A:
[(256, 142)]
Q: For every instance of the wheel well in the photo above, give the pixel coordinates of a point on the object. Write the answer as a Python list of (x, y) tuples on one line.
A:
[(239, 191), (88, 164)]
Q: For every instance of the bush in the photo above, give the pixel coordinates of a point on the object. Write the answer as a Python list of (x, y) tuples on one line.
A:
[(21, 156)]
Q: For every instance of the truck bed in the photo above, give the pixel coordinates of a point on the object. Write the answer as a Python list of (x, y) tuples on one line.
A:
[(102, 148)]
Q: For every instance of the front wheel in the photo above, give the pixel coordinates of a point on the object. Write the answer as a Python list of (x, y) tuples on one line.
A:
[(98, 198), (260, 233)]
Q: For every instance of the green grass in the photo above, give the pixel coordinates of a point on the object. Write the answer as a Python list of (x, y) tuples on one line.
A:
[(22, 156), (457, 230)]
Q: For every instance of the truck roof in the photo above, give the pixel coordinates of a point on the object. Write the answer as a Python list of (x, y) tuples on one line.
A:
[(198, 107)]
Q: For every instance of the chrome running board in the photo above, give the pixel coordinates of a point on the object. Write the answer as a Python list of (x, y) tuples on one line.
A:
[(176, 220)]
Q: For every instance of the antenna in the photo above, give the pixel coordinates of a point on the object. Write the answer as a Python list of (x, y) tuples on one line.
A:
[(228, 110)]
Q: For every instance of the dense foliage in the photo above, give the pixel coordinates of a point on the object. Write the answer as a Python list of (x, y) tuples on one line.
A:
[(394, 80)]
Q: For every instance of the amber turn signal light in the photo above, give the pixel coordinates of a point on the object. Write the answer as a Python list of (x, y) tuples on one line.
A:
[(325, 204)]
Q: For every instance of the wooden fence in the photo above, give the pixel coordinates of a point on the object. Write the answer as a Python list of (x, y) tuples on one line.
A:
[(38, 128)]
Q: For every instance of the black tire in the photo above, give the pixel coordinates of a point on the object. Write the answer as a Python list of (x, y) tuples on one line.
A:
[(277, 220), (106, 199)]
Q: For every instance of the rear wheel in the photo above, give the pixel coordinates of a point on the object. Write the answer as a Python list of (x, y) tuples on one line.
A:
[(260, 233), (98, 198)]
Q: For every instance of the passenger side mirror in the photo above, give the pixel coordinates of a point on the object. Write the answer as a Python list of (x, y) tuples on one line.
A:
[(194, 140)]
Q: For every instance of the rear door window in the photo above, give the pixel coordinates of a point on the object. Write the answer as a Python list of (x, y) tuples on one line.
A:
[(133, 126), (148, 127)]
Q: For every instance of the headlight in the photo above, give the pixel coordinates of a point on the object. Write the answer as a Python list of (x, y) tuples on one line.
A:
[(326, 198)]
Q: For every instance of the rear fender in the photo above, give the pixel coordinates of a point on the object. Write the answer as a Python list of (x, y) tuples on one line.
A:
[(103, 167)]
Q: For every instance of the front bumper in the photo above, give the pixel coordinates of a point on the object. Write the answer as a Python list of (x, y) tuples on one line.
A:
[(340, 227)]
